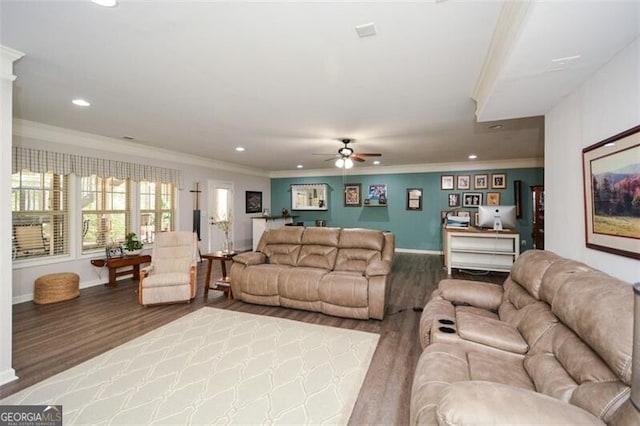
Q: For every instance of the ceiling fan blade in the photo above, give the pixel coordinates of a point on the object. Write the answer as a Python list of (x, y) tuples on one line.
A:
[(356, 158), (369, 154)]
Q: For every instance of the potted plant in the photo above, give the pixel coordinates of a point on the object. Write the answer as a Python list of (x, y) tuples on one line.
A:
[(132, 245)]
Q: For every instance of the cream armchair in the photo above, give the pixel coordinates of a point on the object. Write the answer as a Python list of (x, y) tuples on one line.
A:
[(171, 276)]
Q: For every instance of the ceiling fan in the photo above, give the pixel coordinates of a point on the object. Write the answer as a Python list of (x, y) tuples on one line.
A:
[(346, 155)]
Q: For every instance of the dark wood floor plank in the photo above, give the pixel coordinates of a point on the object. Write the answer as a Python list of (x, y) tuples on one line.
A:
[(48, 339)]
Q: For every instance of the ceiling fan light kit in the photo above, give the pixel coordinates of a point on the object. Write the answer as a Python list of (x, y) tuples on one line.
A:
[(346, 155)]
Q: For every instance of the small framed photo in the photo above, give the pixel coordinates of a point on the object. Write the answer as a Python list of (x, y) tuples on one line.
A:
[(446, 182), (464, 213), (114, 252), (253, 202), (493, 198), (454, 200), (480, 181), (498, 181), (471, 199), (464, 182), (414, 198), (352, 195), (378, 192)]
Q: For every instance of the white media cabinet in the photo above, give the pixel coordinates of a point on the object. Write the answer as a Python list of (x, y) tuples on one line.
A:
[(484, 250)]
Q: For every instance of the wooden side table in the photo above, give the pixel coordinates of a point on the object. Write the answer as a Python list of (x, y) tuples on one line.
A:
[(223, 283), (120, 262)]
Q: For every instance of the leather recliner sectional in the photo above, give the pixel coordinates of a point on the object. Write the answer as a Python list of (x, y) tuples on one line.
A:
[(340, 272), (553, 345)]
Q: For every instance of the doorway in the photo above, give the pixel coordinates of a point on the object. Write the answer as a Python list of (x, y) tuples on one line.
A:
[(220, 208)]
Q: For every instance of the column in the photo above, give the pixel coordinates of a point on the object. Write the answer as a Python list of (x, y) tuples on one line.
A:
[(7, 58)]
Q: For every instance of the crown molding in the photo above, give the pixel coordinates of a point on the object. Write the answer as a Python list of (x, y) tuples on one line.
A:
[(7, 57), (60, 135), (505, 36), (518, 163)]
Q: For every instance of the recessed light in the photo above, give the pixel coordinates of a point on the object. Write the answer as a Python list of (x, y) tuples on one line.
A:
[(610, 144), (299, 166), (495, 127), (366, 30), (80, 102), (376, 162), (239, 148), (473, 157), (105, 3)]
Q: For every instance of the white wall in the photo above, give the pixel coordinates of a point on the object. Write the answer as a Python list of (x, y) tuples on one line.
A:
[(607, 104), (197, 170)]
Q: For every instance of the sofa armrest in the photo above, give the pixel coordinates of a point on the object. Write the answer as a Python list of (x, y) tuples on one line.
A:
[(480, 402), (250, 258), (378, 268), (478, 294)]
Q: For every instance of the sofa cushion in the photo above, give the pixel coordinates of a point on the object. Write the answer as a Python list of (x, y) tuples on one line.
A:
[(321, 236), (261, 280), (478, 294), (282, 254), (557, 274), (505, 370), (529, 268), (344, 289), (361, 239), (300, 283), (355, 259), (317, 256)]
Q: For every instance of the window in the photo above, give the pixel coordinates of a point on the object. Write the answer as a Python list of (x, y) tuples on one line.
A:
[(40, 215), (156, 209), (105, 211)]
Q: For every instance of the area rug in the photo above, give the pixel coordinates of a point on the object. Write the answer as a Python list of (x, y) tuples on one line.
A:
[(215, 366)]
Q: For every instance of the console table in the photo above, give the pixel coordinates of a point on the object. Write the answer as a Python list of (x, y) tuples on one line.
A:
[(121, 262), (485, 250)]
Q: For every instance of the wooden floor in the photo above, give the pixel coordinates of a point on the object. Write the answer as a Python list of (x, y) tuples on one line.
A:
[(48, 339)]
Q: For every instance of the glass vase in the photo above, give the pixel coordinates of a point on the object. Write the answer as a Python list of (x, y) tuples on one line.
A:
[(227, 245)]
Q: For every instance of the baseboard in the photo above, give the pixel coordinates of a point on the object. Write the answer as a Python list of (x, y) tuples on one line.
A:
[(86, 284), (8, 375)]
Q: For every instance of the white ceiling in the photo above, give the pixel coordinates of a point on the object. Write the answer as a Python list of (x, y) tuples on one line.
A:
[(285, 79)]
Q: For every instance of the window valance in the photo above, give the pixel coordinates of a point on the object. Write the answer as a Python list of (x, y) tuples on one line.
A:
[(41, 161)]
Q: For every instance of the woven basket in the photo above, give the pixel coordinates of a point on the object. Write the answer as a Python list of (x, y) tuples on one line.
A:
[(53, 288)]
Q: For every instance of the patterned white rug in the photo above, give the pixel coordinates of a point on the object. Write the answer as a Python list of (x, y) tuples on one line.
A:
[(215, 366)]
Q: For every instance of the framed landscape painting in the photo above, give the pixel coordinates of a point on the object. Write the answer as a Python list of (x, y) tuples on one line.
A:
[(611, 174)]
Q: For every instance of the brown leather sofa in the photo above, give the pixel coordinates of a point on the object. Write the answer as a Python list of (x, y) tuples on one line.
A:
[(552, 345), (340, 272)]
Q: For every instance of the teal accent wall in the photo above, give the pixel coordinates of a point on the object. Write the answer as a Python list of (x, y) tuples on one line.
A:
[(418, 230)]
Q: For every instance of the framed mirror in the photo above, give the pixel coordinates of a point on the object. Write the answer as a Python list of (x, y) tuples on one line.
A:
[(310, 196)]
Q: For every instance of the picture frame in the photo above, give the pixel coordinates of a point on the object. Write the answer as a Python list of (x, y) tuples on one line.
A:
[(414, 198), (493, 198), (114, 252), (446, 182), (377, 194), (476, 218), (481, 181), (498, 181), (471, 199), (609, 168), (253, 202), (463, 181), (517, 196), (454, 200), (309, 196), (352, 195)]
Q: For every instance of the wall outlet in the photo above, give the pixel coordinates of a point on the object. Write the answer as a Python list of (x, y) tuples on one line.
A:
[(523, 242)]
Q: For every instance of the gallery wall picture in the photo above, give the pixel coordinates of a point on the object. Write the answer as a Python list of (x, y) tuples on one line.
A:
[(414, 198), (498, 181), (446, 182), (352, 196), (454, 200), (464, 182), (493, 198), (471, 199), (480, 181)]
